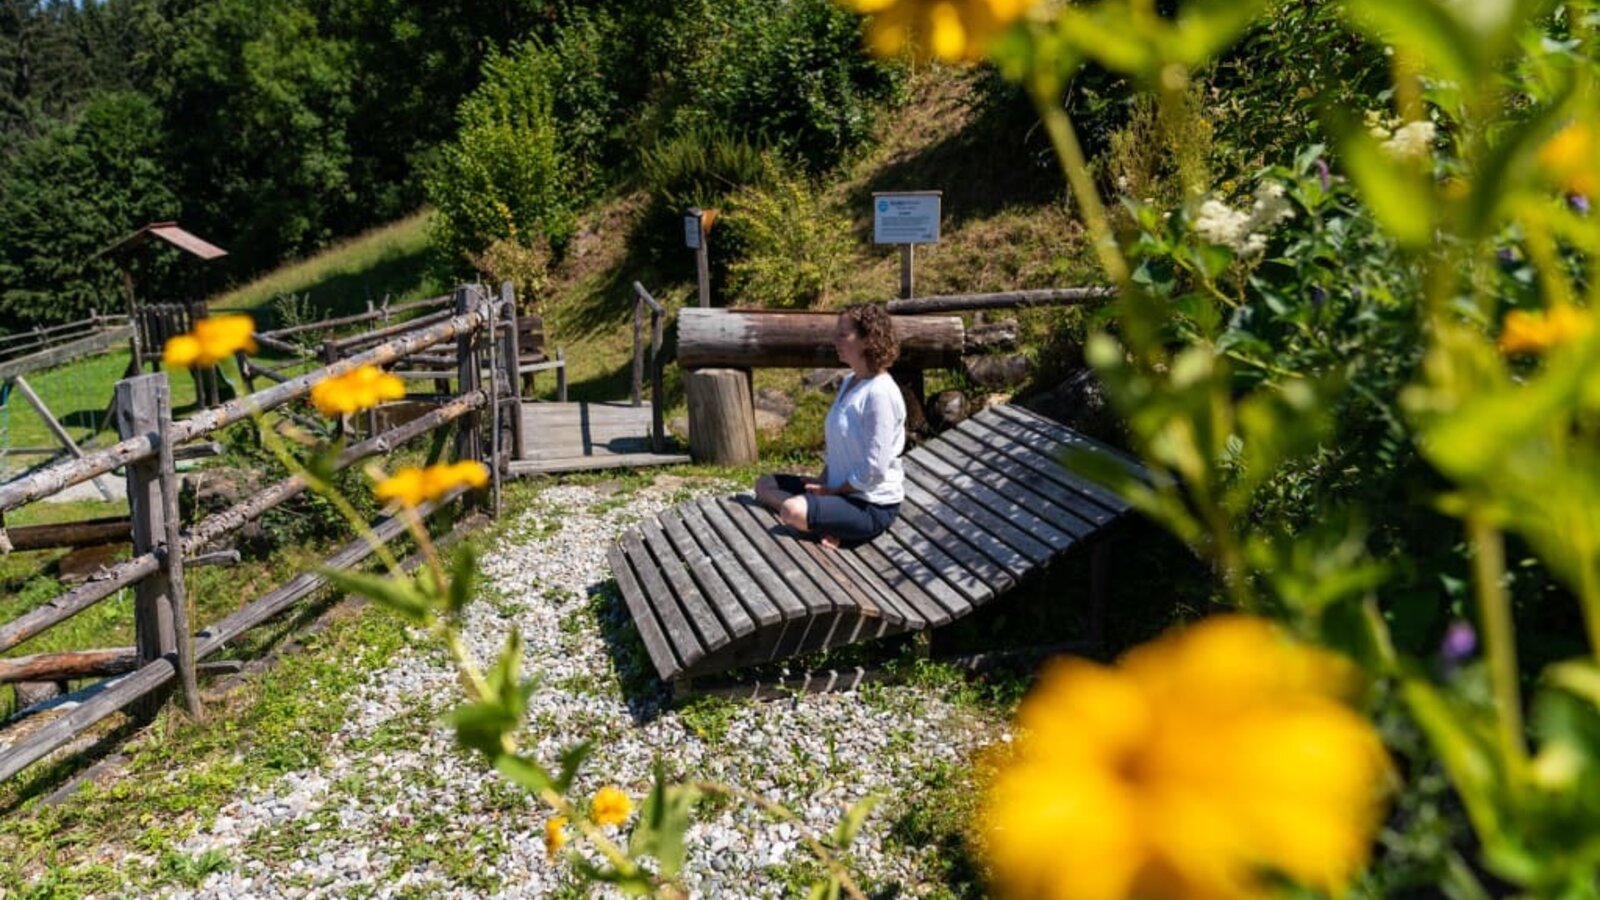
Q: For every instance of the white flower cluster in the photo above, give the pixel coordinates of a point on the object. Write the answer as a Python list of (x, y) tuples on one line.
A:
[(1413, 140), (1244, 232)]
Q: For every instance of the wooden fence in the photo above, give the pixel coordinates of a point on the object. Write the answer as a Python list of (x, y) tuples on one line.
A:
[(167, 650)]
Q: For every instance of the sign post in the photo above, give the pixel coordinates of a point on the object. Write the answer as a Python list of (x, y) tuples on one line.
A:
[(696, 224), (906, 218)]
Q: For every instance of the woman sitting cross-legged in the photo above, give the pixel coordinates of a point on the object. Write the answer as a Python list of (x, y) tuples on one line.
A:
[(862, 480)]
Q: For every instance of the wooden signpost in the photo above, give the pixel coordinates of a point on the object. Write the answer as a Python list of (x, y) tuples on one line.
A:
[(906, 218)]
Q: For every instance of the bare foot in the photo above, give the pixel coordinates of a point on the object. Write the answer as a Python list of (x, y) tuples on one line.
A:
[(831, 542)]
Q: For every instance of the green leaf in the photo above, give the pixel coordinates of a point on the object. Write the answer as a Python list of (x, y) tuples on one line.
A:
[(825, 890), (523, 771), (1497, 174), (1466, 757), (637, 883), (854, 818), (663, 821), (463, 573), (571, 760), (1207, 27), (399, 594), (1397, 191), (1424, 27), (482, 726)]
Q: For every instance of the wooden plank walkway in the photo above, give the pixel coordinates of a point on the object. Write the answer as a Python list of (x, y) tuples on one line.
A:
[(717, 584), (570, 437)]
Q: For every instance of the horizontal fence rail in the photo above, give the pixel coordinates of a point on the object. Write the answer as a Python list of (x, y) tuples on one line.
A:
[(167, 650)]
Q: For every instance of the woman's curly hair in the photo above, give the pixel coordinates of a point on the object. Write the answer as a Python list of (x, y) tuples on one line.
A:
[(876, 328)]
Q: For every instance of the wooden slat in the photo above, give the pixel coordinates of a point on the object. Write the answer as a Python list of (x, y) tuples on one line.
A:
[(1049, 449), (660, 650), (704, 619), (766, 545), (1006, 507), (923, 609), (934, 508), (685, 645), (761, 607), (836, 615), (794, 611), (895, 612), (1065, 436), (989, 573), (1018, 484), (1094, 502), (853, 605), (733, 614), (1036, 551), (594, 463), (952, 602), (949, 568)]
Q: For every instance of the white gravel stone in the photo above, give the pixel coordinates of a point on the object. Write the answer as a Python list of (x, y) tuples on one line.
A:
[(353, 823)]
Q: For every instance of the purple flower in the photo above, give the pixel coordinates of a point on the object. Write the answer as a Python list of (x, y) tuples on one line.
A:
[(1579, 204), (1318, 295), (1506, 255), (1323, 176), (1459, 643)]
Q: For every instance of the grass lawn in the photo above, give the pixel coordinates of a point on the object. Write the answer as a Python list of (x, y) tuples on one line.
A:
[(390, 261)]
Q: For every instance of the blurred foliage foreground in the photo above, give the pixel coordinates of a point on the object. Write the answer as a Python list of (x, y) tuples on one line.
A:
[(1386, 338)]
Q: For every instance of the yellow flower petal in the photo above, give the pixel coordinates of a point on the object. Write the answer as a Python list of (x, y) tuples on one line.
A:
[(610, 806), (213, 340), (181, 351), (947, 36), (412, 486), (555, 834), (358, 389)]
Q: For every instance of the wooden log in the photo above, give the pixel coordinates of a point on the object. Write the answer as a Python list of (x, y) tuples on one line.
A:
[(713, 338), (172, 558), (945, 303), (378, 335), (71, 664), (87, 533), (469, 446), (512, 353), (138, 406), (353, 319), (722, 416), (60, 433), (57, 477)]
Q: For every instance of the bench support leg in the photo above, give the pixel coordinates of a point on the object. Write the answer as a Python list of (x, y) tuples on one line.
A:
[(1099, 578)]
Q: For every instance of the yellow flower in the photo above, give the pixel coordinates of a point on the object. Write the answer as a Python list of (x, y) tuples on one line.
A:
[(1201, 762), (555, 835), (412, 486), (610, 806), (214, 339), (356, 390), (1572, 159), (957, 31), (1536, 332)]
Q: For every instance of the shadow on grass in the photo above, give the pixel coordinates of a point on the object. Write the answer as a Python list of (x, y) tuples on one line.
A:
[(646, 695)]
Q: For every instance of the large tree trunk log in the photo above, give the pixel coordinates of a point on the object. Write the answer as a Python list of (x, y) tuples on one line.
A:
[(722, 416), (803, 340), (72, 664), (87, 533), (1006, 300)]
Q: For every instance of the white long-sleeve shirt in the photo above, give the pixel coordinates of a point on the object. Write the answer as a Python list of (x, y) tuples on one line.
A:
[(866, 433)]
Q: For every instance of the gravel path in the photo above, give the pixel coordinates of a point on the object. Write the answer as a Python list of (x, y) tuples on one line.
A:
[(398, 810)]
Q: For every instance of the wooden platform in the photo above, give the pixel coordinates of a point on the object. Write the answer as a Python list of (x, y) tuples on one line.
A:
[(570, 437), (719, 583)]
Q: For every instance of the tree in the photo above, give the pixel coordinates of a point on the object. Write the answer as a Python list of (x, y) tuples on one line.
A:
[(70, 193)]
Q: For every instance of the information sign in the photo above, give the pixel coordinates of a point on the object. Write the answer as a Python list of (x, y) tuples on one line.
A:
[(905, 217)]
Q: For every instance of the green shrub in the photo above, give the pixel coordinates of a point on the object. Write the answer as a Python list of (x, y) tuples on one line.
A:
[(793, 73), (504, 175), (795, 245), (700, 167)]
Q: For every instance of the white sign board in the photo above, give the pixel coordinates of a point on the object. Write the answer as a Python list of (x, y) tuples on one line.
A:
[(691, 232), (905, 218)]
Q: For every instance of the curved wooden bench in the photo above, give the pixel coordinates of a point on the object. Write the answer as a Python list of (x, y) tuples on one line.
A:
[(718, 583)]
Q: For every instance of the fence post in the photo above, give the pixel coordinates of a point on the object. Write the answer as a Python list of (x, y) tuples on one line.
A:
[(138, 412), (657, 392), (638, 348), (172, 559), (513, 364), (491, 346), (468, 442)]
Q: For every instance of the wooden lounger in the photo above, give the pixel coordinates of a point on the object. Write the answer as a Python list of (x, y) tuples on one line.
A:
[(720, 583)]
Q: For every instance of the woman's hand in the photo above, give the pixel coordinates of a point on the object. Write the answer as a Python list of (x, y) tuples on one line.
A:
[(818, 488)]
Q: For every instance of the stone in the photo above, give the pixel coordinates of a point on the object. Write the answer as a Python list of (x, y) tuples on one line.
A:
[(775, 401), (678, 426), (998, 372), (770, 423), (947, 409), (31, 692), (995, 337), (824, 380), (1080, 403)]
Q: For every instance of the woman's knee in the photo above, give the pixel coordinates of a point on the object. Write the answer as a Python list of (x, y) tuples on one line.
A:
[(793, 512)]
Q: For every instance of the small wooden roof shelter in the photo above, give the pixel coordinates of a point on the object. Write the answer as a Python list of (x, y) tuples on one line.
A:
[(172, 234)]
